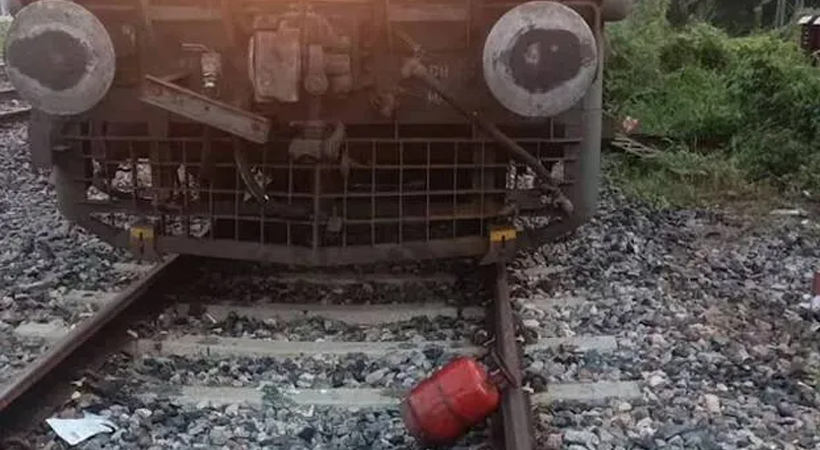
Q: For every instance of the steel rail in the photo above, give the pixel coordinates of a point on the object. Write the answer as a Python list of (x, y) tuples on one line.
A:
[(15, 114), (9, 94), (516, 418), (37, 390)]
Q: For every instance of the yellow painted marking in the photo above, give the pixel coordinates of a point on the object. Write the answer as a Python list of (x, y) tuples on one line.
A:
[(139, 232), (501, 234)]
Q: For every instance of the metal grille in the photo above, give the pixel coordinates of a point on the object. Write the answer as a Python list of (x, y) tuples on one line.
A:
[(400, 187)]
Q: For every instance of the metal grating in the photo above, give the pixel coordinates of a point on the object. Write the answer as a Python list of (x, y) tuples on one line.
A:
[(400, 187)]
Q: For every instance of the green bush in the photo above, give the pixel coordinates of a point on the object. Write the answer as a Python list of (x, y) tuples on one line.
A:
[(4, 28), (682, 178), (755, 100), (703, 46), (777, 156), (695, 106)]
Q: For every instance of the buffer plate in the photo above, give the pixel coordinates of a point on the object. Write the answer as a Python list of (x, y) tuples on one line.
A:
[(59, 57), (540, 58)]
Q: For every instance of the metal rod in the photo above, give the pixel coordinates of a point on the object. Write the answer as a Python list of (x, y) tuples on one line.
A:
[(414, 68), (515, 413), (7, 94), (15, 114)]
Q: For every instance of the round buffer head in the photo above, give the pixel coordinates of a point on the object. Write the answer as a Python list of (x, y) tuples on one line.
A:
[(59, 57), (540, 58)]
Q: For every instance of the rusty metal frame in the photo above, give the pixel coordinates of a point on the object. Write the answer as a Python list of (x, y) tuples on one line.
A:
[(575, 145)]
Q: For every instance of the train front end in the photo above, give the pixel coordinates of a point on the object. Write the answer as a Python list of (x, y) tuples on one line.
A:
[(316, 132)]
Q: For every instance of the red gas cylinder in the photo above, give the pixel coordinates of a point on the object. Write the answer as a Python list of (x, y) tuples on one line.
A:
[(443, 407)]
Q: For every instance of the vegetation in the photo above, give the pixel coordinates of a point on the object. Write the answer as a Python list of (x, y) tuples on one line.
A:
[(742, 112), (735, 16), (4, 28)]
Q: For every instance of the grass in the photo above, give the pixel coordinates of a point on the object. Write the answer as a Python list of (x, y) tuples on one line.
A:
[(682, 179), (741, 113), (4, 28)]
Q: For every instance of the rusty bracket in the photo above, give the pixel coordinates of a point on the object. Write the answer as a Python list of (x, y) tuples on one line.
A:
[(314, 145), (502, 245), (142, 241), (199, 108)]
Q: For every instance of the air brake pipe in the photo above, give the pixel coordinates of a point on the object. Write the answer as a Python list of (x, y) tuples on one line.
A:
[(414, 68)]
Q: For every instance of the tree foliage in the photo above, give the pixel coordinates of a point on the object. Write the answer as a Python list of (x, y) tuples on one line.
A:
[(737, 17), (754, 99)]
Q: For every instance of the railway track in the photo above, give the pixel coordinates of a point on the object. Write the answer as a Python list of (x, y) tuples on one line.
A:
[(204, 332), (12, 108), (40, 388)]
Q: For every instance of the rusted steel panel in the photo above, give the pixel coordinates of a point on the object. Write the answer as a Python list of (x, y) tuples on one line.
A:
[(160, 13), (183, 13), (428, 12)]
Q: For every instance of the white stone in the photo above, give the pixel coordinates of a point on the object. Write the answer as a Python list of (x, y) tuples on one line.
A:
[(624, 406), (656, 380), (712, 403)]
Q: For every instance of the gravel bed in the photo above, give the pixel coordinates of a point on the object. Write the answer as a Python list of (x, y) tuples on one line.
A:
[(161, 425), (41, 255), (320, 372), (543, 368), (707, 309), (314, 329), (251, 282), (400, 371), (16, 353)]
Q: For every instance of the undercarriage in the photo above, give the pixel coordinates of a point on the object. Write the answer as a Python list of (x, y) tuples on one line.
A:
[(312, 133)]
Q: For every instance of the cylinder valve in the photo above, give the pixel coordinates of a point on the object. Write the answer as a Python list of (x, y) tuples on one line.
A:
[(540, 58), (59, 57)]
